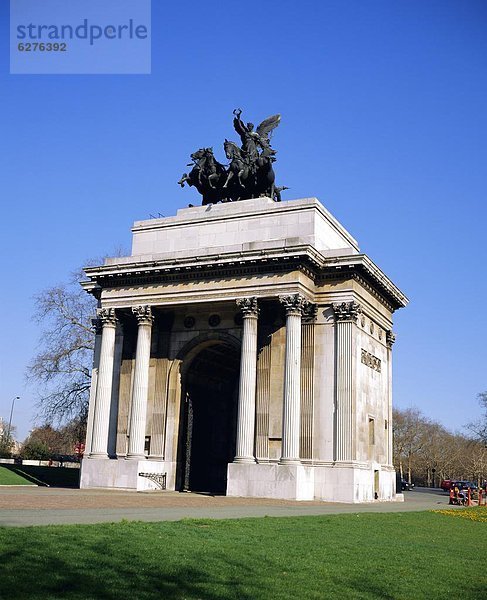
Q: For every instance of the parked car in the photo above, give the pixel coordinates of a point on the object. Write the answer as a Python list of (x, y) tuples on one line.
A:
[(62, 458), (464, 485), (461, 484), (405, 485)]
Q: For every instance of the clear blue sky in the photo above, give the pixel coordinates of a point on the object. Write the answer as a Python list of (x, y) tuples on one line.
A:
[(384, 119)]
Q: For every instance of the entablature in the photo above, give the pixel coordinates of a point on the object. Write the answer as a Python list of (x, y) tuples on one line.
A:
[(303, 258)]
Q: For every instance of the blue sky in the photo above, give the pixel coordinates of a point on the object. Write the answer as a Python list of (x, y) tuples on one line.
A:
[(384, 119)]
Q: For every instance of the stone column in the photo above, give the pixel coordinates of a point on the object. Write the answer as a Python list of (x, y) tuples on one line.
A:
[(138, 414), (307, 380), (101, 415), (346, 315), (97, 328), (390, 339), (291, 418), (248, 375), (263, 394)]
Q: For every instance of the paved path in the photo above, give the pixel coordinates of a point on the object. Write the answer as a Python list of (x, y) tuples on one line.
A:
[(23, 506)]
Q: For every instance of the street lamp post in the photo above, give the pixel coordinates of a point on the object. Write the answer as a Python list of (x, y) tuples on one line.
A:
[(11, 414)]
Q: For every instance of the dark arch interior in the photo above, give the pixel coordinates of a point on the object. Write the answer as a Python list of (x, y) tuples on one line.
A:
[(210, 390)]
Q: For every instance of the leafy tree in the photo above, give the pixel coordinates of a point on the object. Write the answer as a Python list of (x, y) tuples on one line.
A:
[(7, 441), (62, 440), (6, 447), (48, 436), (62, 367), (35, 450), (74, 436)]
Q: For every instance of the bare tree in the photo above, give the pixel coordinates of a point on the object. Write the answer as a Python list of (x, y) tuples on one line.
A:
[(429, 451), (62, 366), (409, 438), (479, 427)]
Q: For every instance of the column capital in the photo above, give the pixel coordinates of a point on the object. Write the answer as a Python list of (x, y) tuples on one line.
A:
[(107, 317), (248, 306), (294, 304), (310, 312), (143, 314), (390, 338), (347, 311)]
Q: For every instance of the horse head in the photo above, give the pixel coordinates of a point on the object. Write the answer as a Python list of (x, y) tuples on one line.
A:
[(232, 151), (228, 147), (198, 155)]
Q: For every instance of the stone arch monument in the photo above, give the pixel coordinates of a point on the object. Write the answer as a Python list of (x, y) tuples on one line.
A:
[(243, 348)]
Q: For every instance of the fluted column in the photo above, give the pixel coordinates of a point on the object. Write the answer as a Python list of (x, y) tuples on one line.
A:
[(138, 414), (97, 328), (307, 380), (101, 416), (248, 375), (291, 417), (346, 315), (390, 339)]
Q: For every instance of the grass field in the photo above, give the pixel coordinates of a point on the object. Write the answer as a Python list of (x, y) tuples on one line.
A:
[(8, 477), (401, 555), (48, 476)]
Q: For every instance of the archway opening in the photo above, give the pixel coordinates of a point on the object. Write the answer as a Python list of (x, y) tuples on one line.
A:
[(210, 391)]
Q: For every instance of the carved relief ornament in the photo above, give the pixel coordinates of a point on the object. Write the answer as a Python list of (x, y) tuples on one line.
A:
[(371, 361), (107, 317), (347, 311), (294, 304), (390, 338), (310, 312), (143, 314), (248, 306)]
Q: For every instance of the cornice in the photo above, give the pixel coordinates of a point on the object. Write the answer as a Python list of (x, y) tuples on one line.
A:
[(361, 268), (303, 258)]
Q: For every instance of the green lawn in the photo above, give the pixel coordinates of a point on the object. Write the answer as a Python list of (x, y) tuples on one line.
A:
[(47, 476), (8, 477), (406, 555)]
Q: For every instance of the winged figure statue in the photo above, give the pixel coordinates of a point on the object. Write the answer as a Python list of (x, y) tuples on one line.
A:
[(252, 139), (250, 172)]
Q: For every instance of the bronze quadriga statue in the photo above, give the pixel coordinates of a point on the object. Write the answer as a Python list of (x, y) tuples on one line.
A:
[(249, 173)]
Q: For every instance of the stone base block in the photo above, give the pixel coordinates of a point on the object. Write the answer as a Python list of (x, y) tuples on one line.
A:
[(354, 484), (288, 482), (119, 473), (333, 483)]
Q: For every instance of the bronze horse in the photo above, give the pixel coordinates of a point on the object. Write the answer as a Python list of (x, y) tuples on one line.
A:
[(205, 175)]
